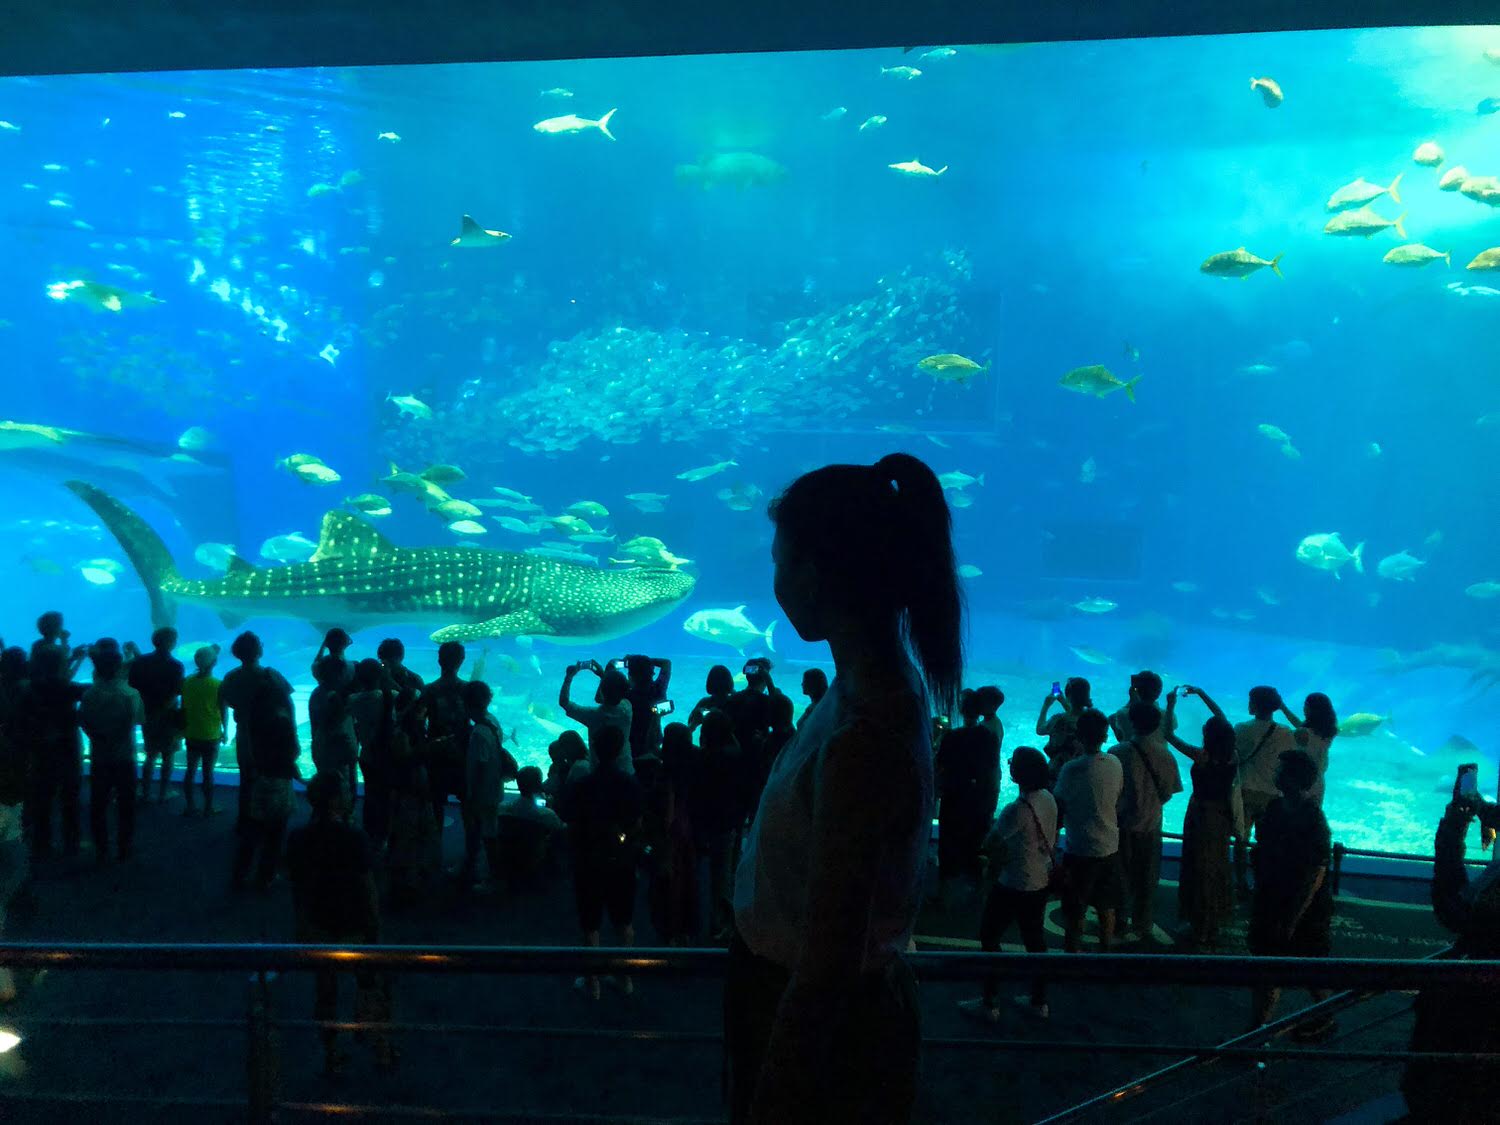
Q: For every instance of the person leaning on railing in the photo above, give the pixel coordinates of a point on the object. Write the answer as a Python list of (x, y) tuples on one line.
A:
[(1459, 1019)]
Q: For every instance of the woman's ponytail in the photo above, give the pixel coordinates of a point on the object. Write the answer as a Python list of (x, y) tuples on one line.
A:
[(882, 538), (929, 591)]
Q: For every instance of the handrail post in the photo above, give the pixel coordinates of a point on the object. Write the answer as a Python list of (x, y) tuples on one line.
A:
[(260, 1052), (1338, 866)]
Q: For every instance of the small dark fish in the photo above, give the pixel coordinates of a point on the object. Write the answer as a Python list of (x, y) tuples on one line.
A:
[(1488, 106)]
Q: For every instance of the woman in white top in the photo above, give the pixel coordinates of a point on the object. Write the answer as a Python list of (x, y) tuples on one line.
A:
[(612, 709), (821, 1020), (1020, 847), (1314, 733)]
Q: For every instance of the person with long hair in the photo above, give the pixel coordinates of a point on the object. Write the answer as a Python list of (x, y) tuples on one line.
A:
[(1061, 730), (821, 1018), (1314, 733), (1205, 892)]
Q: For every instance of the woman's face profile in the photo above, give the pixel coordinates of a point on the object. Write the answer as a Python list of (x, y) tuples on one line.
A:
[(796, 587)]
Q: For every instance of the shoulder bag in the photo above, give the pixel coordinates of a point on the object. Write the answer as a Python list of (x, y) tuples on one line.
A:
[(1055, 874), (1236, 790)]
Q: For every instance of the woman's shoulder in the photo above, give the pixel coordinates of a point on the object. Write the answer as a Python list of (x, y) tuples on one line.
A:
[(897, 708)]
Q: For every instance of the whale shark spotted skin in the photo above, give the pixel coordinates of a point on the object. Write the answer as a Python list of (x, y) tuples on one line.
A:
[(359, 578)]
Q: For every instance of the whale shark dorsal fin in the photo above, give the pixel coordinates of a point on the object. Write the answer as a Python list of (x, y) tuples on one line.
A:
[(238, 565), (344, 536)]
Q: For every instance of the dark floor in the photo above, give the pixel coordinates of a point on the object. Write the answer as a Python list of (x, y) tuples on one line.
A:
[(175, 889)]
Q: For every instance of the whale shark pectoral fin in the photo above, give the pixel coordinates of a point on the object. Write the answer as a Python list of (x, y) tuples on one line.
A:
[(230, 620), (521, 623), (344, 536)]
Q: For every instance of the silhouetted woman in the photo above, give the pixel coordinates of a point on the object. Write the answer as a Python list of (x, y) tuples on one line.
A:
[(720, 686), (1314, 733), (1205, 893), (821, 1020)]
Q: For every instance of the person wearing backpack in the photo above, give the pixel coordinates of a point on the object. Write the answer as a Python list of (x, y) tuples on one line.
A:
[(1151, 779), (445, 714), (488, 766), (1258, 745), (1022, 848), (239, 691), (266, 749)]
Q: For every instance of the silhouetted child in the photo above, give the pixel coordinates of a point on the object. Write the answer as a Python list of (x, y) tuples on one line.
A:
[(205, 722)]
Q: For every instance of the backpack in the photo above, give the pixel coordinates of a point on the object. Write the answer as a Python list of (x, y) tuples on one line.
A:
[(269, 719), (447, 722)]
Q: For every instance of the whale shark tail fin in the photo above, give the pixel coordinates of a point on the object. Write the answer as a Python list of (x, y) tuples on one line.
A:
[(147, 553)]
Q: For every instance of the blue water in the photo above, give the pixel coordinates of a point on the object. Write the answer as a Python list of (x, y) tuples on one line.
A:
[(639, 324)]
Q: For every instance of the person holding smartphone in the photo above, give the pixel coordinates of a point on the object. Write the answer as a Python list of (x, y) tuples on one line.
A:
[(1463, 1018), (649, 677), (1061, 730), (763, 719), (613, 709)]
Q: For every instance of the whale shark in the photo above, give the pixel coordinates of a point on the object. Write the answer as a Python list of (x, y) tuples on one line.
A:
[(135, 467), (359, 578)]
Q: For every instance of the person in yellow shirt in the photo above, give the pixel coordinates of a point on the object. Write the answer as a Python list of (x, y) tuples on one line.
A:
[(205, 727)]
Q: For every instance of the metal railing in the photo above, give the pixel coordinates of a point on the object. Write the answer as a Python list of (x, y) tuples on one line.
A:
[(1355, 977), (1341, 852), (1253, 1044)]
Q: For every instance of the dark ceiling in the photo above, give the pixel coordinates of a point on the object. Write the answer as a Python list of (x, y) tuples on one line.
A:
[(122, 35)]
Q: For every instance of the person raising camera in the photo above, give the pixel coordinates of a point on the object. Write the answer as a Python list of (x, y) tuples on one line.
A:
[(611, 710), (649, 678)]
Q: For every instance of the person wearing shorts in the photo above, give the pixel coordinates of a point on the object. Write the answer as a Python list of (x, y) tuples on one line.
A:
[(157, 677), (1088, 793), (603, 810), (205, 719)]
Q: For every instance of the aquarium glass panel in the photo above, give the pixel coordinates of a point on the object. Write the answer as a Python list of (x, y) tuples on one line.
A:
[(1201, 335)]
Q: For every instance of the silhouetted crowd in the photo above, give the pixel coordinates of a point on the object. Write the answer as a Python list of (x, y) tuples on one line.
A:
[(625, 797), (630, 796)]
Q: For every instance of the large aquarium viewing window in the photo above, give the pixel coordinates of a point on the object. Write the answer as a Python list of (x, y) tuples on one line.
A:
[(1200, 335)]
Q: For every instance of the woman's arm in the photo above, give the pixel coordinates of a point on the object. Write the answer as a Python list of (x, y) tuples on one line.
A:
[(1207, 702), (1041, 720), (1186, 749), (1168, 727)]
